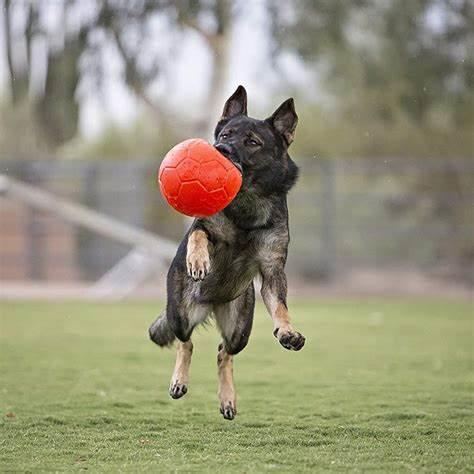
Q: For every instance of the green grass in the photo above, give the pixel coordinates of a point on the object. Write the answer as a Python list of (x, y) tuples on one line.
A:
[(383, 385)]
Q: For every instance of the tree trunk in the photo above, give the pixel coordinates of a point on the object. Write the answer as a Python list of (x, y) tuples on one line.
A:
[(219, 44), (18, 81), (57, 113)]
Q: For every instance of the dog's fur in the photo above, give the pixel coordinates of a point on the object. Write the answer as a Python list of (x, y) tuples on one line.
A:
[(220, 256)]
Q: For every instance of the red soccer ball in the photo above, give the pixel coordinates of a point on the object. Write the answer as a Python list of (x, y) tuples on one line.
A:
[(197, 180)]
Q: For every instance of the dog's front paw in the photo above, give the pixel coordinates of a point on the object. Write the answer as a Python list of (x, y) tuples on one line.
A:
[(198, 265), (291, 340)]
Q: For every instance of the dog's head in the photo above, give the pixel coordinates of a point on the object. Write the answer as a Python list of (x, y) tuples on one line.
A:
[(259, 148)]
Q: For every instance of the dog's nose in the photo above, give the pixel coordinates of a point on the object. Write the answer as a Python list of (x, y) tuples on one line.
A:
[(226, 150)]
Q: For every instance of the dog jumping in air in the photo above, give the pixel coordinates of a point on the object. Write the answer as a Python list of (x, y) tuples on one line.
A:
[(215, 265)]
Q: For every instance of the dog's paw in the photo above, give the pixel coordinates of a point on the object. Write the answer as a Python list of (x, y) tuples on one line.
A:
[(198, 265), (291, 340), (177, 389), (228, 410)]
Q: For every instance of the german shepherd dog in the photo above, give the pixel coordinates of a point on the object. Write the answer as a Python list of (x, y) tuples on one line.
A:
[(220, 255)]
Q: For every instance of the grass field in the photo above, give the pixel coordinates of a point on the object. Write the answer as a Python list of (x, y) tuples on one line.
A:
[(381, 385)]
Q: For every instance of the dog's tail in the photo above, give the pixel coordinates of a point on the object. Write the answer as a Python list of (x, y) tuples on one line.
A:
[(160, 331)]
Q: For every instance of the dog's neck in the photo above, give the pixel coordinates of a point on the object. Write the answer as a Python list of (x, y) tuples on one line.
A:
[(250, 211)]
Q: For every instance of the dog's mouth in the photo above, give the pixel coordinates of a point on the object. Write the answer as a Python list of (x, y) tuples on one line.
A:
[(237, 165), (227, 152)]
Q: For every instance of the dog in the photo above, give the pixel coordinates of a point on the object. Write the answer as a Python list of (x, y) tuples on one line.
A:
[(216, 263)]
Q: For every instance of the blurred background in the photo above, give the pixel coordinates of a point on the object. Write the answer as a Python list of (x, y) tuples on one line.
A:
[(93, 93)]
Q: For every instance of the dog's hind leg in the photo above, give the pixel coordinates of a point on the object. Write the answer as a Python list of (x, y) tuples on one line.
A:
[(160, 331), (184, 321), (183, 314), (226, 393), (180, 378), (234, 320)]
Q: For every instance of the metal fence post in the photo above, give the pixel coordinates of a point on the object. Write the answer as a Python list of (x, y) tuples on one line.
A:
[(329, 219), (35, 230)]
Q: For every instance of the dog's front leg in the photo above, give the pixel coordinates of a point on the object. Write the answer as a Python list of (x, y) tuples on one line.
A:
[(274, 291), (198, 262)]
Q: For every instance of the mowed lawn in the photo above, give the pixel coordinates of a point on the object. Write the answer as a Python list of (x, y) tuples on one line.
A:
[(381, 385)]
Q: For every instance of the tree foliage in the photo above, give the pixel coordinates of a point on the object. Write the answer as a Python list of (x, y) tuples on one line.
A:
[(390, 60), (75, 50), (399, 74)]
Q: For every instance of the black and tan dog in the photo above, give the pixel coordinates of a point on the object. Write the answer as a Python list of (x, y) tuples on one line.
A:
[(220, 256)]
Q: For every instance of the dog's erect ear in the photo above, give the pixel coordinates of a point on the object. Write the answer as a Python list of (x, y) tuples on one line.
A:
[(236, 104), (284, 120)]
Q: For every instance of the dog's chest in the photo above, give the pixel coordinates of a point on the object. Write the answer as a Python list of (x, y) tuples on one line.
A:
[(234, 264), (242, 249), (238, 255), (248, 211)]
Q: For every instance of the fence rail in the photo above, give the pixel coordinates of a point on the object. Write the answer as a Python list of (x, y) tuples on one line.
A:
[(343, 214)]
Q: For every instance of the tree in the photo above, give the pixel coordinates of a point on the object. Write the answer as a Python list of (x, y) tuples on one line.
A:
[(417, 54), (126, 26), (53, 107), (119, 19)]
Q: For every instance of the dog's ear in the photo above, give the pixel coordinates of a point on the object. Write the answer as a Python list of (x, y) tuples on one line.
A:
[(284, 120), (236, 104)]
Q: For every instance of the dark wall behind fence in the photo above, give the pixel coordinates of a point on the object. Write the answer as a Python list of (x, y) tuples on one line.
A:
[(344, 214)]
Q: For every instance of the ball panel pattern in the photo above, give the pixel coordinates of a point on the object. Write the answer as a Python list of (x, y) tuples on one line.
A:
[(188, 169), (169, 181), (178, 153), (233, 182), (212, 175)]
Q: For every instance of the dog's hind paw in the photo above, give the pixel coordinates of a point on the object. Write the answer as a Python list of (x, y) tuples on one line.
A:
[(178, 390), (228, 411), (291, 340)]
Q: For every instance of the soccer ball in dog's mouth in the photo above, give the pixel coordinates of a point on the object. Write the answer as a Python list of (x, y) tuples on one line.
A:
[(197, 180)]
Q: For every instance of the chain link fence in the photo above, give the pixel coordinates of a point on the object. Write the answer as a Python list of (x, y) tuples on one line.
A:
[(344, 214)]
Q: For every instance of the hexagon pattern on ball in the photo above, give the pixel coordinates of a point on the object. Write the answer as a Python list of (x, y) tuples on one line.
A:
[(197, 180)]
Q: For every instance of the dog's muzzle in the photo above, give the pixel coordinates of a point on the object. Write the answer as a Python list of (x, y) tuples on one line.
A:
[(227, 151)]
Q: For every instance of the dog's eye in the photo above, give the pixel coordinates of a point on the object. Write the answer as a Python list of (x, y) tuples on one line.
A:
[(224, 135), (254, 142)]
